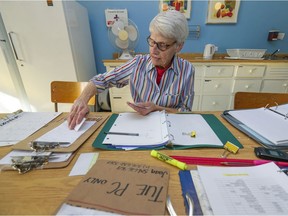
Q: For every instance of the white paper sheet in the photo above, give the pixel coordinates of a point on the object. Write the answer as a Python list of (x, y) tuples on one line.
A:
[(66, 209), (181, 125), (257, 190), (24, 125), (84, 163), (63, 134)]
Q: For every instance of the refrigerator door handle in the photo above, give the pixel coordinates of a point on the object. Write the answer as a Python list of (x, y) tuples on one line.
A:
[(16, 46)]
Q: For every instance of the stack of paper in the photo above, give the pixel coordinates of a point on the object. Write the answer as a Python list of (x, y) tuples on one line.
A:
[(21, 125), (255, 190)]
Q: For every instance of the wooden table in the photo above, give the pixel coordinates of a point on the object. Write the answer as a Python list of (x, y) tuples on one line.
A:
[(40, 192)]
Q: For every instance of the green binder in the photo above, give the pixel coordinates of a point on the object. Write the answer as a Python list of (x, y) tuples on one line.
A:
[(219, 129)]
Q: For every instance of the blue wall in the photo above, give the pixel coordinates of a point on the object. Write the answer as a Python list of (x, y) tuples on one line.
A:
[(255, 19)]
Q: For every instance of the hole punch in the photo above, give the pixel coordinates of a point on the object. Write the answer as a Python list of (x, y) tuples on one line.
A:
[(229, 148)]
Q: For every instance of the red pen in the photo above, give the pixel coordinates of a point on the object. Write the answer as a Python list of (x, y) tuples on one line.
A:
[(225, 161)]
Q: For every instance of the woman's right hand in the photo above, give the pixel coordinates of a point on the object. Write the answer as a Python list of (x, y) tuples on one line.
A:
[(78, 111)]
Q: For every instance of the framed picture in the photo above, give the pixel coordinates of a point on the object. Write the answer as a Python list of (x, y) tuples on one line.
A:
[(184, 6), (222, 11)]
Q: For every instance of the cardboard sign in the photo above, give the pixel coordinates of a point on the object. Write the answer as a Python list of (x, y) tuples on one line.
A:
[(123, 188)]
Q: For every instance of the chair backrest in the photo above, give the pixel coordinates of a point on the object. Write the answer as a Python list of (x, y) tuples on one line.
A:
[(250, 100), (68, 92)]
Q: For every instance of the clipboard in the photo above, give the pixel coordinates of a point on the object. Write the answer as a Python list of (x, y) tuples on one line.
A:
[(25, 144), (220, 130), (100, 118)]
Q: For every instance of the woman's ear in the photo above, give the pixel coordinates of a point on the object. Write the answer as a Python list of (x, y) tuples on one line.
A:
[(179, 47)]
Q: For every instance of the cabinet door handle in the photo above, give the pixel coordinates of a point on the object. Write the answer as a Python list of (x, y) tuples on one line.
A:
[(285, 85), (16, 46), (217, 86), (247, 86)]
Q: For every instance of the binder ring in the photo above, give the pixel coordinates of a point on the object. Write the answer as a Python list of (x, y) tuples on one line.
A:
[(276, 105)]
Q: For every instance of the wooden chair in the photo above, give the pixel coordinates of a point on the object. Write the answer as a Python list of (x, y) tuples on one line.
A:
[(250, 100), (68, 92)]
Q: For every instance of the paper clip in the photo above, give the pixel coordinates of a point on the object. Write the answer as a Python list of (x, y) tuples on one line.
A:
[(25, 164), (229, 148), (191, 134)]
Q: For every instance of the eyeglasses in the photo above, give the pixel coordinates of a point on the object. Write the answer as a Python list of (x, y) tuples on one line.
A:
[(161, 46)]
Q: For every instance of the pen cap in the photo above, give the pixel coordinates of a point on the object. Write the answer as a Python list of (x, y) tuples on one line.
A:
[(154, 153), (169, 160)]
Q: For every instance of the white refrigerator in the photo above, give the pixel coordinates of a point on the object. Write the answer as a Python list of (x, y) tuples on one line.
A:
[(42, 41)]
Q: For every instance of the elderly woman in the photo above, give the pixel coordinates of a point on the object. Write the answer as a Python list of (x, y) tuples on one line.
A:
[(158, 81)]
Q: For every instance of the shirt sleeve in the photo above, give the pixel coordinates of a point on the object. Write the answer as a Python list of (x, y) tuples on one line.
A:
[(119, 77)]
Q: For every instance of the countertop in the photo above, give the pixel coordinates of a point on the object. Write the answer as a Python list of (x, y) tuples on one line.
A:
[(198, 58)]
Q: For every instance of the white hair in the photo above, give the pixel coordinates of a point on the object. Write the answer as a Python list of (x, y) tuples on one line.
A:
[(171, 24)]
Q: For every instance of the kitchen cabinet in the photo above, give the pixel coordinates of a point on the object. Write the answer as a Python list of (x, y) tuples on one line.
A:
[(216, 88), (216, 82), (276, 79)]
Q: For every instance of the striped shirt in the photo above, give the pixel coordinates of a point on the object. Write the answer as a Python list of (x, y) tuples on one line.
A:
[(176, 89)]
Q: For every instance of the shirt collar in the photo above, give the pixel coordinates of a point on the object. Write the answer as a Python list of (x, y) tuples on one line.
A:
[(173, 67)]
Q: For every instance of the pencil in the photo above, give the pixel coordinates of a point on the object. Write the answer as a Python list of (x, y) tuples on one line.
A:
[(121, 133)]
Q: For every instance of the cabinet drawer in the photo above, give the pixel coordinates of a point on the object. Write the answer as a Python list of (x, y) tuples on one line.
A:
[(121, 91), (247, 85), (280, 72), (219, 71), (217, 86), (250, 71), (275, 86), (119, 103), (197, 86), (195, 106), (199, 70), (215, 103)]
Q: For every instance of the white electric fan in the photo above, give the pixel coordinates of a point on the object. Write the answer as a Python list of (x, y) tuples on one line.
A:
[(124, 37)]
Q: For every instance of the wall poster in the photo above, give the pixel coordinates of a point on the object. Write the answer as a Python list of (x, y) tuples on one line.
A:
[(222, 11), (184, 6)]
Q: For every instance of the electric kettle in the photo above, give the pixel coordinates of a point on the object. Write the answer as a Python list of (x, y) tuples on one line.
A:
[(209, 51)]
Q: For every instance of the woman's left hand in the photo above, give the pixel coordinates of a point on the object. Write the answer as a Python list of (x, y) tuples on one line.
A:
[(143, 108)]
